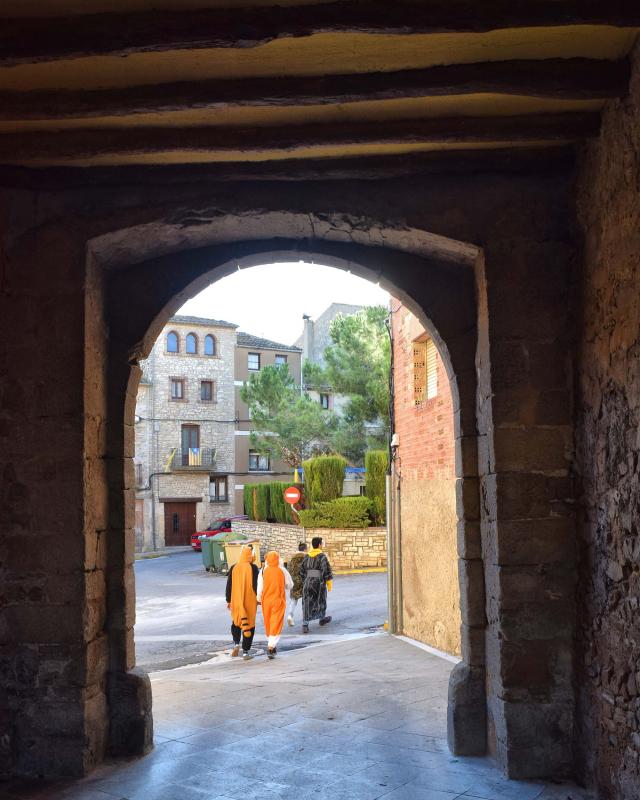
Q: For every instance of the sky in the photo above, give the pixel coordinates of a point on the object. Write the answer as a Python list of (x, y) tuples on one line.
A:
[(269, 300)]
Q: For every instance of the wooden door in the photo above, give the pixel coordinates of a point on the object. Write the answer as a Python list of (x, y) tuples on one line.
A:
[(179, 523)]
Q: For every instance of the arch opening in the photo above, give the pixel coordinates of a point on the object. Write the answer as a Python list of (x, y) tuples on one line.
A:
[(428, 295)]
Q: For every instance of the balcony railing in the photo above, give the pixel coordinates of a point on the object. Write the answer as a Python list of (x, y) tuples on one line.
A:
[(191, 458)]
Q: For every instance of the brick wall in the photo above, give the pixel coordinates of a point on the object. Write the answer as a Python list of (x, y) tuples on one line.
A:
[(425, 461), (347, 548), (425, 431)]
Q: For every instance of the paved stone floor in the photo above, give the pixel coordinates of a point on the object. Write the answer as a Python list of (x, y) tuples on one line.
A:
[(355, 720)]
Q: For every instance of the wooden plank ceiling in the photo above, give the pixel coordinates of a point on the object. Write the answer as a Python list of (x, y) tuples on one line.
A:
[(114, 82)]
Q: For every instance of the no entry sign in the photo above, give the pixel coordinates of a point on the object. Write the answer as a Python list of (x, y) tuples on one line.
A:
[(292, 495)]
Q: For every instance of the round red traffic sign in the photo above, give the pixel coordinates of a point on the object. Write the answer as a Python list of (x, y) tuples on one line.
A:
[(292, 495)]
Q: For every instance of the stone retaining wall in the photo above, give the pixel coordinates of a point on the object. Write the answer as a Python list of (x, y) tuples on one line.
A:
[(347, 548)]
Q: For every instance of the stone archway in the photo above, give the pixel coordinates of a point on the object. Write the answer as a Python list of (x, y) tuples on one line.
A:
[(431, 274)]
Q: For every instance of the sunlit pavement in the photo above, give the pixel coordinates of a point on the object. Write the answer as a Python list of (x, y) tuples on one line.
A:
[(356, 720), (346, 712), (182, 616)]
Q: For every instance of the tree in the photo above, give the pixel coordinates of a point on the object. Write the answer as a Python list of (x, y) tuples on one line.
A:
[(286, 423), (357, 366), (377, 463), (323, 478)]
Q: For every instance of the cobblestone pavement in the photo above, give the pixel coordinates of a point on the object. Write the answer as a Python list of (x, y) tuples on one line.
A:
[(353, 720)]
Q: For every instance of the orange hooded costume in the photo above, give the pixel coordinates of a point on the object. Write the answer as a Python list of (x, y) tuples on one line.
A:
[(243, 603), (274, 601), (273, 583)]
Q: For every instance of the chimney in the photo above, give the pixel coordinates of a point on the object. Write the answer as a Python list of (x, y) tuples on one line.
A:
[(307, 337)]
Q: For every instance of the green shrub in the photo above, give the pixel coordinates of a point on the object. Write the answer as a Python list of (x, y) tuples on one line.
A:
[(280, 510), (344, 512), (261, 503), (249, 502), (376, 464), (323, 478)]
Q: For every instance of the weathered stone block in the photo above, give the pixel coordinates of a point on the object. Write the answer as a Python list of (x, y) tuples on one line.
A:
[(466, 711), (468, 498), (531, 541), (539, 449), (534, 738), (472, 594), (466, 456), (473, 645), (469, 539), (131, 728)]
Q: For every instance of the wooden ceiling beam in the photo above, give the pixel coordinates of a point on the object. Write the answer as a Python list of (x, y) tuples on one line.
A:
[(31, 40), (572, 79), (509, 160), (88, 143)]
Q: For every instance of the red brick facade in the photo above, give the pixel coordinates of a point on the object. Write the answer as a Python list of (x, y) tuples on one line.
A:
[(425, 430), (425, 469)]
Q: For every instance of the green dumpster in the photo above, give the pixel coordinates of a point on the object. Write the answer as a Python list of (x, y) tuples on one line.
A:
[(219, 553), (206, 542)]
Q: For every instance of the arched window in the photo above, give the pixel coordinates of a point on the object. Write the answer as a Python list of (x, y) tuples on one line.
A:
[(173, 342), (209, 345), (192, 343)]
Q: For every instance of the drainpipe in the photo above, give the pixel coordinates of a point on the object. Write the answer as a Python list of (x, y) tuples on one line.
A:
[(397, 547), (307, 333), (390, 558), (154, 448), (394, 542)]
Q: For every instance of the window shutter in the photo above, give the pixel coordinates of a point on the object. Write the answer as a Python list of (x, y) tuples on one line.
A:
[(425, 371), (419, 371)]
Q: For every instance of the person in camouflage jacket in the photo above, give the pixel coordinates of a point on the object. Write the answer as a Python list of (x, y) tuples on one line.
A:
[(295, 562)]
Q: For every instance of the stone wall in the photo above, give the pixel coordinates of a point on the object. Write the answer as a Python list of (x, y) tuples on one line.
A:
[(283, 538), (160, 242), (425, 463), (347, 548), (608, 454), (160, 419)]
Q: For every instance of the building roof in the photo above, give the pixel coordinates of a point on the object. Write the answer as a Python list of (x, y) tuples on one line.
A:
[(210, 323), (249, 340)]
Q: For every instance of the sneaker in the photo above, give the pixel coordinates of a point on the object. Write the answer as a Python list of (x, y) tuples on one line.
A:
[(235, 652), (305, 629), (246, 655), (271, 652), (325, 620), (290, 621)]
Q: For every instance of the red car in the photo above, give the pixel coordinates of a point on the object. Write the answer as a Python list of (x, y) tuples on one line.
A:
[(218, 526)]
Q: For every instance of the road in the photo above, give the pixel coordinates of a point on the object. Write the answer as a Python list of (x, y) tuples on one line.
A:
[(182, 616)]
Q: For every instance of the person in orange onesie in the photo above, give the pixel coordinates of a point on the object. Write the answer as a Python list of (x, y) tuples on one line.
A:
[(242, 601), (274, 585)]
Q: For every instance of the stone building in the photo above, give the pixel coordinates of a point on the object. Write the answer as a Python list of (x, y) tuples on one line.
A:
[(479, 160), (193, 454), (252, 354), (185, 425), (424, 486), (313, 341)]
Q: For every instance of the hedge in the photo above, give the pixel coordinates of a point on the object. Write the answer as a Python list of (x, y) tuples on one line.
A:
[(344, 512), (261, 503), (279, 509), (248, 500), (265, 501), (376, 464), (323, 478)]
